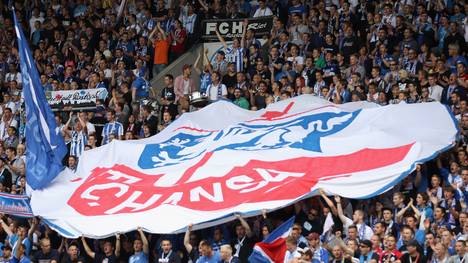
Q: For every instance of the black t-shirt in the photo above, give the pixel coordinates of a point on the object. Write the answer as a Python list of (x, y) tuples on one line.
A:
[(246, 246), (102, 258), (40, 257), (168, 93), (367, 258), (230, 81), (260, 102), (166, 258), (66, 259)]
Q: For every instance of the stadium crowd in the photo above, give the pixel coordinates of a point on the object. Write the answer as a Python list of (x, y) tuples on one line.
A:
[(387, 52)]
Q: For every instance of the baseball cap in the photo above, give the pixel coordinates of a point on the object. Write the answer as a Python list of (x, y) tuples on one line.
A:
[(461, 62), (186, 66)]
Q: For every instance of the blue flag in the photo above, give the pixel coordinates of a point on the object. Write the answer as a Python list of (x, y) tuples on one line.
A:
[(45, 146)]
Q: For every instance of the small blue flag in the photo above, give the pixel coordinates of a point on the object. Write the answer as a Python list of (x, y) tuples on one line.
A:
[(45, 145)]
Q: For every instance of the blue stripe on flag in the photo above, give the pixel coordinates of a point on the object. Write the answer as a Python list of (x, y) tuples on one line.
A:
[(259, 255), (45, 146)]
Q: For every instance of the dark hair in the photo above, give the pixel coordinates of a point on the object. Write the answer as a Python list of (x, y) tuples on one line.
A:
[(169, 76)]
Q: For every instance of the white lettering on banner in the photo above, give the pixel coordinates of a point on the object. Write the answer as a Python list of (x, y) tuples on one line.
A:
[(223, 28), (233, 183), (117, 175), (199, 191), (210, 27), (137, 200), (130, 203), (237, 27)]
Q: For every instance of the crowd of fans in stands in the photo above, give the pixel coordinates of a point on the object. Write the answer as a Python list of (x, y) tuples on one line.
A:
[(387, 52)]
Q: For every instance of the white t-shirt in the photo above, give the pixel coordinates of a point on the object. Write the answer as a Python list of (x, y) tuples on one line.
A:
[(263, 12), (288, 256), (297, 60), (216, 92), (186, 87)]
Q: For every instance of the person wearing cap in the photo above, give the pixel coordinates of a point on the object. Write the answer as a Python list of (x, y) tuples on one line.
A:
[(366, 255), (320, 254), (184, 86)]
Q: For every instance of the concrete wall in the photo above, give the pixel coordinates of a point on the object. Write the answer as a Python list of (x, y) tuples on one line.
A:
[(175, 68)]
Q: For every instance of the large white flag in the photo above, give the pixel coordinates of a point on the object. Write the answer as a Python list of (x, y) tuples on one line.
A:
[(221, 160)]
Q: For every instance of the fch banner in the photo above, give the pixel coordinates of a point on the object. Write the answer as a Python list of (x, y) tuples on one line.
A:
[(77, 99), (233, 28), (17, 205), (221, 160)]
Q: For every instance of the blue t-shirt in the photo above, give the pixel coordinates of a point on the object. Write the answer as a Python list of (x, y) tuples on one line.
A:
[(139, 257), (27, 243), (23, 259), (214, 259), (141, 86)]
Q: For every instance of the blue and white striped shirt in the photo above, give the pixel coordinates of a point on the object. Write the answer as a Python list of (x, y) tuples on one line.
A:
[(115, 128), (78, 142), (236, 56)]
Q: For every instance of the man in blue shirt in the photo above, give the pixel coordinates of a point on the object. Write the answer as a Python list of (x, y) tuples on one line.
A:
[(20, 256), (22, 236), (140, 246), (208, 255)]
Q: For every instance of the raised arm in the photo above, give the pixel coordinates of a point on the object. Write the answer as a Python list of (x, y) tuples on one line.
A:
[(187, 244), (244, 31), (329, 202), (400, 214), (195, 64), (340, 210), (204, 5), (6, 227), (66, 127), (163, 33), (144, 240), (18, 253), (248, 230), (206, 60), (88, 250), (221, 39), (117, 244), (33, 225)]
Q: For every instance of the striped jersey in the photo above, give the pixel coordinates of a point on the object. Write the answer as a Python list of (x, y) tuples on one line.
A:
[(78, 142), (236, 56), (115, 128)]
